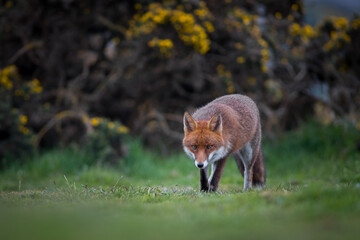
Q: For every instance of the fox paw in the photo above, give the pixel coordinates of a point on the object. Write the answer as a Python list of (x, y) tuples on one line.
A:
[(212, 188)]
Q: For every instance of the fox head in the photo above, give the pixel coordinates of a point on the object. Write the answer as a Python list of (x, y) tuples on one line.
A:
[(203, 141)]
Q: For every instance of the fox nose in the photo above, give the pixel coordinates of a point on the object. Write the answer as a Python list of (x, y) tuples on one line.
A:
[(200, 165)]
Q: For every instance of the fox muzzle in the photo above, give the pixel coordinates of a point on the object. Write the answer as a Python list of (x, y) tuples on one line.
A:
[(201, 165)]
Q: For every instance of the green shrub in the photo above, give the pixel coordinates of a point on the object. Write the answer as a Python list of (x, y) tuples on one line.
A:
[(105, 142), (17, 138)]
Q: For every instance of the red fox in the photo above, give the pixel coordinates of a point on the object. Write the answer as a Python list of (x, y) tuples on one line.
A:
[(229, 124)]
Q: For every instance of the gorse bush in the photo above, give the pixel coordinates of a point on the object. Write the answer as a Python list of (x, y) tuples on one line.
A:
[(105, 142), (191, 27), (290, 68), (15, 97), (102, 138)]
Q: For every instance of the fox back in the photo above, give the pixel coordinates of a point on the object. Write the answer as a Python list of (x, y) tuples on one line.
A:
[(229, 124)]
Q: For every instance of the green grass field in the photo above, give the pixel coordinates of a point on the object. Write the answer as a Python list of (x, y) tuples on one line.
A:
[(312, 192)]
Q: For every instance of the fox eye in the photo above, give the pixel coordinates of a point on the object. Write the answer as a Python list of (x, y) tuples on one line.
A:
[(194, 147), (209, 146)]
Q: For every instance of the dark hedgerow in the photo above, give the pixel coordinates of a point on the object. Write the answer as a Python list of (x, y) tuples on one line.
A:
[(144, 63)]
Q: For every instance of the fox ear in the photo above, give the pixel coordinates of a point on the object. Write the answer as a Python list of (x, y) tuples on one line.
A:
[(189, 123), (215, 123)]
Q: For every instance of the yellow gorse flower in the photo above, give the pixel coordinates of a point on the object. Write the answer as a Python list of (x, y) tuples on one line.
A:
[(209, 26), (201, 13), (355, 23), (265, 53), (23, 119), (262, 43), (246, 20), (9, 70), (19, 92), (165, 46), (6, 82), (264, 68), (305, 33), (239, 46), (308, 31), (336, 40), (295, 29), (35, 86), (111, 125), (6, 76), (122, 129), (9, 76), (24, 130), (189, 31), (340, 22), (166, 43), (95, 121), (240, 18), (240, 60), (239, 13), (295, 7), (278, 15)]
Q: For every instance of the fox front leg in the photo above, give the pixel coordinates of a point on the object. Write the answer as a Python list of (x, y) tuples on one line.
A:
[(216, 173), (204, 185)]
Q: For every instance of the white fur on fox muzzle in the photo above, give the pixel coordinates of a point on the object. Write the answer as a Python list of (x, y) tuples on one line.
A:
[(189, 153), (201, 165)]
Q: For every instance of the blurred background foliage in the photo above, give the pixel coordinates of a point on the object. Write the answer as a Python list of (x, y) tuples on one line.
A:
[(93, 72)]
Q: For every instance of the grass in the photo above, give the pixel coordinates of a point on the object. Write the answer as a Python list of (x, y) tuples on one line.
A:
[(312, 192)]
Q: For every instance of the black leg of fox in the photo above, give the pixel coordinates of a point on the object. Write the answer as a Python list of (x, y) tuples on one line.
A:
[(214, 181), (259, 173), (204, 185)]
